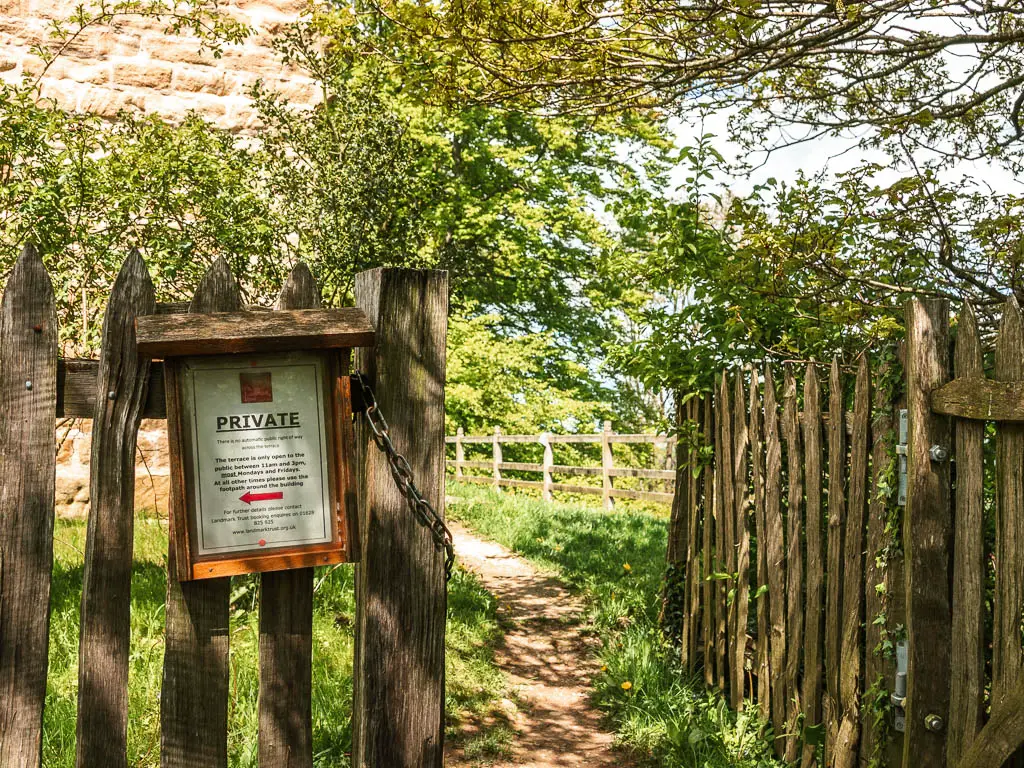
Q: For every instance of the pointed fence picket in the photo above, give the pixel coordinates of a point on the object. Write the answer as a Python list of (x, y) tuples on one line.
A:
[(116, 392), (830, 586)]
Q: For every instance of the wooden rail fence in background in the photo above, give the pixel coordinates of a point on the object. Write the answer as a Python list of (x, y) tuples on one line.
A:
[(548, 469), (802, 567)]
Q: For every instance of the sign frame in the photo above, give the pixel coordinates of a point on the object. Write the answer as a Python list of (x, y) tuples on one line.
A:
[(327, 335)]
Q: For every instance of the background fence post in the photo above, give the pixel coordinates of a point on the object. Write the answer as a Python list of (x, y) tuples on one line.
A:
[(927, 529), (398, 709), (496, 458), (549, 460), (460, 452), (607, 463)]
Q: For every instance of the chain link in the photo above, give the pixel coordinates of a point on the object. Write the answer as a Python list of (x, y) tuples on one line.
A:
[(402, 473)]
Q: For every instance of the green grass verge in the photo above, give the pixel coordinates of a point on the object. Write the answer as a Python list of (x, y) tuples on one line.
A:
[(617, 561), (474, 684)]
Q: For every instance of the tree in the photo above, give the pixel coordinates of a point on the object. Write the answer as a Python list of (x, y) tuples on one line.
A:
[(948, 77)]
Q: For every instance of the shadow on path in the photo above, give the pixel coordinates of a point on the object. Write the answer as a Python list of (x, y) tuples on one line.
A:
[(548, 661)]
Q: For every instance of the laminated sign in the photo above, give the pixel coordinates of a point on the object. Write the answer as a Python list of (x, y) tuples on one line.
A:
[(260, 434)]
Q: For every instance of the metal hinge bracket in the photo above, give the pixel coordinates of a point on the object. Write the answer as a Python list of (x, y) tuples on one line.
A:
[(901, 457)]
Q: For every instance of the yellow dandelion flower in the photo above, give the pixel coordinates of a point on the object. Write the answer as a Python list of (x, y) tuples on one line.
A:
[(627, 685), (627, 567)]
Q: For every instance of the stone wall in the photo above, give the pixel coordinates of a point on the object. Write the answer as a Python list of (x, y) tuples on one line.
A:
[(133, 65), (74, 447)]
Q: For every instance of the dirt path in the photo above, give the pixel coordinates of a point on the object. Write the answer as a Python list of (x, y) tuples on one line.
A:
[(548, 663)]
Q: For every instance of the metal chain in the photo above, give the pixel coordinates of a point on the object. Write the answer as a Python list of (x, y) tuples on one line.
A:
[(402, 473)]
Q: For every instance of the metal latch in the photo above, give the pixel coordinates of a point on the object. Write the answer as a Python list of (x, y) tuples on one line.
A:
[(899, 695), (901, 455)]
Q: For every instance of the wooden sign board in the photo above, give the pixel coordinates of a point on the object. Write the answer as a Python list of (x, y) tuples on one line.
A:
[(260, 438)]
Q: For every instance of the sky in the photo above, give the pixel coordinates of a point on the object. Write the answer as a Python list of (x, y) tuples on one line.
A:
[(832, 154)]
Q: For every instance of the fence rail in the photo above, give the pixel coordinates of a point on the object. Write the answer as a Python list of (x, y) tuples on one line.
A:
[(548, 468)]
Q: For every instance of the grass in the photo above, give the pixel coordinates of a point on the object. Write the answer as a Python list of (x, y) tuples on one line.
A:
[(474, 684), (617, 560)]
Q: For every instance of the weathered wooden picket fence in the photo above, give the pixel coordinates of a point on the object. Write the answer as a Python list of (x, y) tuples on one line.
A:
[(401, 597), (803, 562), (548, 469)]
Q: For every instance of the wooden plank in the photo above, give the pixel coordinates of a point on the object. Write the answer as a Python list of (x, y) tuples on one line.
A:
[(230, 332), (709, 621), (549, 460), (794, 562), (460, 454), (398, 710), (927, 535), (814, 606), (102, 726), (575, 438), (649, 474), (496, 457), (645, 439), (28, 405), (1007, 657), (875, 571), (286, 623), (1003, 735), (678, 524), (489, 465), (972, 396), (727, 551), (510, 483), (694, 482), (851, 649), (607, 463), (623, 493), (522, 466), (776, 560), (478, 439), (563, 469), (757, 476), (566, 488), (520, 438), (742, 497), (834, 555), (77, 387), (967, 652), (194, 698)]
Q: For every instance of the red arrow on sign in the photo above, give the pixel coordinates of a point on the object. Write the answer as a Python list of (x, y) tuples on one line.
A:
[(249, 497)]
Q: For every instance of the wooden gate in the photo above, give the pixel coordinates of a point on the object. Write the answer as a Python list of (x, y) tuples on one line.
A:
[(810, 564), (401, 598)]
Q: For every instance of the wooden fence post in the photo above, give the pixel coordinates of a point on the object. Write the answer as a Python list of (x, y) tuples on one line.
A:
[(121, 384), (549, 461), (28, 411), (607, 464), (496, 458), (460, 452), (286, 623), (194, 697), (398, 710), (927, 530)]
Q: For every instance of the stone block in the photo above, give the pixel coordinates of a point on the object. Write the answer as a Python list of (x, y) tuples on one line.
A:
[(152, 493), (176, 50), (72, 494), (200, 80), (100, 43), (107, 102), (143, 74)]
